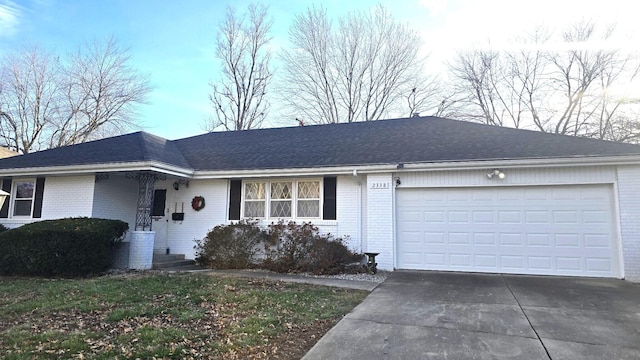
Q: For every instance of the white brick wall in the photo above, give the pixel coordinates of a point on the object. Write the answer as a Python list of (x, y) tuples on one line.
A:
[(64, 196), (380, 233), (629, 213), (67, 196), (348, 212), (181, 234), (514, 177), (116, 198)]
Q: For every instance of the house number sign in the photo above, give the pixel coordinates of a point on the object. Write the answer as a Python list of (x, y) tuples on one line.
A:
[(380, 185)]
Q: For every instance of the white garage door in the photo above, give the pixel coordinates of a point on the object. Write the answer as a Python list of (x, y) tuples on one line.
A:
[(546, 230)]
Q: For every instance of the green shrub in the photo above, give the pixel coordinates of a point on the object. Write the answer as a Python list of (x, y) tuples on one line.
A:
[(232, 246), (288, 247), (302, 248), (65, 247)]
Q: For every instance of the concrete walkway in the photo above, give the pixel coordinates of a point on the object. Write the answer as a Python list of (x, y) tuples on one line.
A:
[(341, 283), (434, 315)]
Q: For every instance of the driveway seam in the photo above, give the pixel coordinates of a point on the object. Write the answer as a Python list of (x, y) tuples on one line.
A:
[(526, 316), (440, 327)]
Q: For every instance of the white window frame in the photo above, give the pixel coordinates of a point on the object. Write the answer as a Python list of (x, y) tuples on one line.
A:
[(290, 200), (14, 198), (265, 200), (294, 198), (319, 198)]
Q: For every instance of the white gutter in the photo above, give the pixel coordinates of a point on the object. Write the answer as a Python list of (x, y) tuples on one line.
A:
[(412, 167), (524, 163), (96, 168)]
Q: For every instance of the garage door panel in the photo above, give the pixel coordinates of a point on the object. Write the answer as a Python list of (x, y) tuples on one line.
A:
[(597, 241), (536, 217), (538, 239), (598, 264), (483, 216), (594, 217), (458, 217), (436, 217), (483, 239), (567, 240), (540, 264), (513, 262), (568, 263), (509, 217), (550, 230)]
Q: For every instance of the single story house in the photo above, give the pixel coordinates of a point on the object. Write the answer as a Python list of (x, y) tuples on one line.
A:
[(424, 192)]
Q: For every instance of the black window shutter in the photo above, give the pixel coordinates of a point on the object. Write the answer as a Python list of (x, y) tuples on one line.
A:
[(6, 186), (159, 202), (329, 204), (37, 201), (235, 198)]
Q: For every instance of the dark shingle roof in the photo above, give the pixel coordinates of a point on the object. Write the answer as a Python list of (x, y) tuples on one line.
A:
[(424, 139), (411, 140), (139, 146)]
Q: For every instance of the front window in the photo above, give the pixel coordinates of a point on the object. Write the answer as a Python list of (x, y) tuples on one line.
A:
[(282, 199), (23, 197), (281, 195), (254, 199)]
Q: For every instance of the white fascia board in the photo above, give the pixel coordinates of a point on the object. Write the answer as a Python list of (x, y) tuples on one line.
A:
[(338, 170), (100, 168), (435, 166), (525, 163)]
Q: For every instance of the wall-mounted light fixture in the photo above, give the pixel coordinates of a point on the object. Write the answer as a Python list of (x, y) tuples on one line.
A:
[(398, 182), (496, 173), (176, 184)]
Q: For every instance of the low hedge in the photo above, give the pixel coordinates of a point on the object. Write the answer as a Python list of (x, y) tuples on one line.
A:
[(233, 246), (286, 247), (65, 247)]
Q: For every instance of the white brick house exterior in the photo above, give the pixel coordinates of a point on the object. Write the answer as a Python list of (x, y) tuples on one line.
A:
[(547, 214)]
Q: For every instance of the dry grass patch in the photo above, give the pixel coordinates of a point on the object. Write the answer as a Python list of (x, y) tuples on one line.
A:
[(151, 315)]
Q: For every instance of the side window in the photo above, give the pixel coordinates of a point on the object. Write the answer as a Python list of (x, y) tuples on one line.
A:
[(24, 191), (308, 199)]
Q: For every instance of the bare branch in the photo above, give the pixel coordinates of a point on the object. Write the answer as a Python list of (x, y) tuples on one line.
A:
[(46, 103), (239, 98), (560, 91), (363, 69)]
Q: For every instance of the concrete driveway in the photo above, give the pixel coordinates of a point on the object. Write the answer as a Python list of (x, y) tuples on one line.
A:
[(422, 315)]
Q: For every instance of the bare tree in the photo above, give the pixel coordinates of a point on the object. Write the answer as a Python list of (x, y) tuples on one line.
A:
[(101, 94), (551, 90), (30, 97), (239, 97), (45, 102), (364, 69)]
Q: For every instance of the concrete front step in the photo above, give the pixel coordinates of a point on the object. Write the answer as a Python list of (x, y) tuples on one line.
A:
[(157, 257), (170, 261), (173, 264)]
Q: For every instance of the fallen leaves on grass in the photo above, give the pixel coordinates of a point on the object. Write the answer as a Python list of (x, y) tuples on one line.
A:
[(227, 319)]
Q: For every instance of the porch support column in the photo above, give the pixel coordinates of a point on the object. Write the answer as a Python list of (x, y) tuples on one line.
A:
[(146, 183)]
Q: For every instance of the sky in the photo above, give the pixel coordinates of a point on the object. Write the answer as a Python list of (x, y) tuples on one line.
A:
[(174, 41)]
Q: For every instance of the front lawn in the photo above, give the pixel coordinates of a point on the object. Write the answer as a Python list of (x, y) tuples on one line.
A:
[(151, 315)]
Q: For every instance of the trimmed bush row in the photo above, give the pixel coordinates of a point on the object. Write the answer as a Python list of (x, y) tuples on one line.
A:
[(286, 247), (65, 247)]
